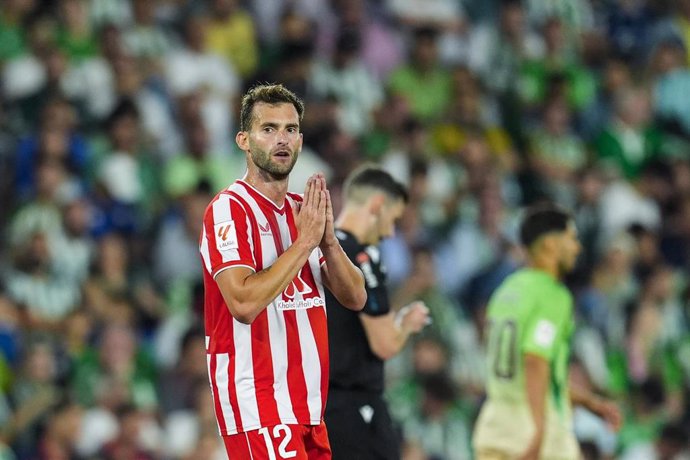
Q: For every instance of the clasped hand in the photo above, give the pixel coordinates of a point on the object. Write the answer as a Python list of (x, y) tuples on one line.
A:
[(314, 217)]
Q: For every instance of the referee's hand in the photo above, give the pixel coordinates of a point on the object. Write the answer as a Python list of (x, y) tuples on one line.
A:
[(414, 317)]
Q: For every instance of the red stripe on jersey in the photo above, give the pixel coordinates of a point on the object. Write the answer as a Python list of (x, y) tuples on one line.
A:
[(295, 372), (319, 327)]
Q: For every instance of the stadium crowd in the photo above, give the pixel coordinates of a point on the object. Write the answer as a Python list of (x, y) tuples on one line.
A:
[(117, 124)]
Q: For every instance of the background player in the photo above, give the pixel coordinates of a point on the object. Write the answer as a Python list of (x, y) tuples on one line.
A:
[(527, 414), (267, 254), (358, 421)]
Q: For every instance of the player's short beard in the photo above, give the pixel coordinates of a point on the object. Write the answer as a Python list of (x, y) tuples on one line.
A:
[(277, 171)]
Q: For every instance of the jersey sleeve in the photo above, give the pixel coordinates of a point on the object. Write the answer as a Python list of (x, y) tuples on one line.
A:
[(226, 239), (547, 326)]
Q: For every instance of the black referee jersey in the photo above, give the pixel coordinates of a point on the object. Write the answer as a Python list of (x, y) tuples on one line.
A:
[(353, 366)]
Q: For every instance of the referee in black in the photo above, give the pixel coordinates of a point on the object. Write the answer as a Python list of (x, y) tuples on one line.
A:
[(359, 425)]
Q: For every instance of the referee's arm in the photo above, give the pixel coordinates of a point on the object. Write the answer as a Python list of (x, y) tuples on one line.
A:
[(387, 334)]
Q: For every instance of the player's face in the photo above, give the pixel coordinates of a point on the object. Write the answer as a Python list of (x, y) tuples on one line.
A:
[(389, 214), (570, 248), (274, 140)]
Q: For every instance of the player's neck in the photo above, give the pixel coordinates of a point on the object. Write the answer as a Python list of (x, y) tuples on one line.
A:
[(350, 221), (545, 265), (274, 189)]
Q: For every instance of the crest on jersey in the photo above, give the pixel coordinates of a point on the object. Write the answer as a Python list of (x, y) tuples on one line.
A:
[(226, 236)]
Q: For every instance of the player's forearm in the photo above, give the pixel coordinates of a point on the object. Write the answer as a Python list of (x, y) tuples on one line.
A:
[(536, 385), (386, 335), (259, 289), (586, 399), (344, 279)]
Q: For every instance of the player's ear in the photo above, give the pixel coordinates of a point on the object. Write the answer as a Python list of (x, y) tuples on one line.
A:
[(376, 203), (550, 243), (242, 140)]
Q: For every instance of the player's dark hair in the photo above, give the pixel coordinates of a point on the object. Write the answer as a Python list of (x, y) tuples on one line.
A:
[(373, 177), (542, 219), (270, 94)]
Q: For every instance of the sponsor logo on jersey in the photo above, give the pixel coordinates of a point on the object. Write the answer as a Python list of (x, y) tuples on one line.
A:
[(299, 295), (226, 236), (265, 229)]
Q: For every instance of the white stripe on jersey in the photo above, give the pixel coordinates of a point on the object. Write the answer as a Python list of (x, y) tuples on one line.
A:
[(311, 365), (279, 348), (221, 380), (244, 376), (221, 213)]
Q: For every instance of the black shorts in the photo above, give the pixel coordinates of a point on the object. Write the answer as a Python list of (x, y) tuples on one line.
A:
[(360, 427)]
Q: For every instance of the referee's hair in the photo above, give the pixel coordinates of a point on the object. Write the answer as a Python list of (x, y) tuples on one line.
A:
[(368, 178), (542, 219)]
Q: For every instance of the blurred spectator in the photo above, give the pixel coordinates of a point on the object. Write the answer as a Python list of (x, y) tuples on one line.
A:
[(447, 16), (616, 76), (61, 432), (157, 123), (198, 165), (117, 358), (645, 417), (188, 428), (346, 78), (576, 15), (629, 141), (423, 81), (178, 241), (672, 83), (34, 393), (556, 154), (56, 141), (180, 386), (127, 174), (131, 442), (559, 73), (231, 34), (110, 12), (671, 444), (382, 47), (190, 68), (498, 50), (44, 294), (12, 39), (75, 36), (440, 424), (449, 323), (145, 39), (629, 28), (118, 289)]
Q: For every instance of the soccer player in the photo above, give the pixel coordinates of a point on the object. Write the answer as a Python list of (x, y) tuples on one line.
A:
[(358, 421), (527, 413), (267, 256)]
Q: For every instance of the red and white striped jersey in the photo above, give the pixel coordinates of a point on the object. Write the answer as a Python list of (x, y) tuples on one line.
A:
[(274, 370)]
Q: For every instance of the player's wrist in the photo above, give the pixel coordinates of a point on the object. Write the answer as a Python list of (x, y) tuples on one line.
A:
[(329, 244)]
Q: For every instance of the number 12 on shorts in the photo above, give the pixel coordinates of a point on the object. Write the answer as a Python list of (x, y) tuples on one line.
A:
[(278, 432)]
